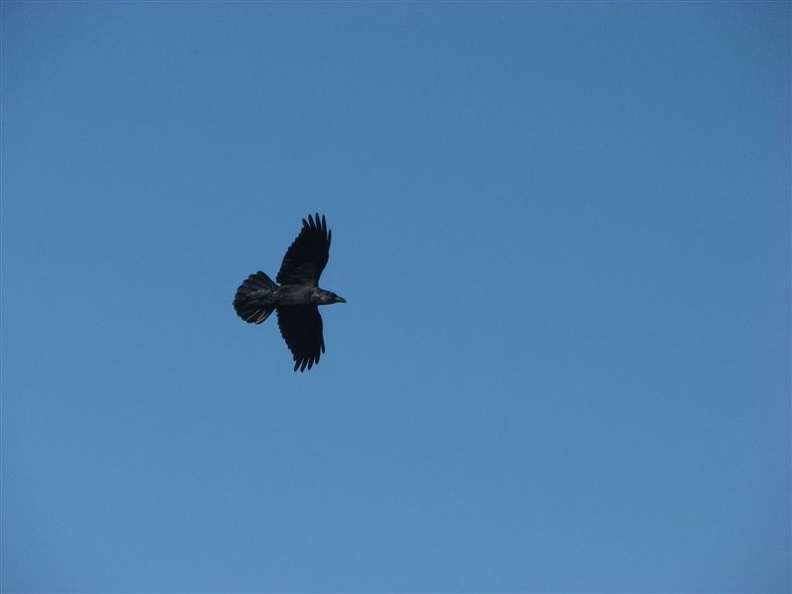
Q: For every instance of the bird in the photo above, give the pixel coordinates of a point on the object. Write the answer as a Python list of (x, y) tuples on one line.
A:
[(297, 297)]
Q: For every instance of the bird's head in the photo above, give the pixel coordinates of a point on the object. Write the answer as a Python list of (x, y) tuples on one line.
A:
[(322, 297)]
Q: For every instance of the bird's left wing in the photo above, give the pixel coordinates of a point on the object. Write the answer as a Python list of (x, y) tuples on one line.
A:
[(307, 255), (301, 328)]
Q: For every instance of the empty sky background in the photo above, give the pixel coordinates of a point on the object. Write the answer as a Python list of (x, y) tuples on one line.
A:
[(563, 233)]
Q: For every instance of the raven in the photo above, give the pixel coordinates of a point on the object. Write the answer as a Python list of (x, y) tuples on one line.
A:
[(298, 295)]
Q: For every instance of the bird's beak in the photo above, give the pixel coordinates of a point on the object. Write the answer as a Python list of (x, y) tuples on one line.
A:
[(340, 299)]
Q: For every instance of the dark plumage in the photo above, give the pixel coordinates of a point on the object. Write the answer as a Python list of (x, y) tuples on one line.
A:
[(297, 297)]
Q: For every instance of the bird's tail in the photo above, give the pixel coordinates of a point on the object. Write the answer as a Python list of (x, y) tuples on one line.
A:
[(252, 298)]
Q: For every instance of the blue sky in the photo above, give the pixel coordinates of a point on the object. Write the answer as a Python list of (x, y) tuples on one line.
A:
[(563, 231)]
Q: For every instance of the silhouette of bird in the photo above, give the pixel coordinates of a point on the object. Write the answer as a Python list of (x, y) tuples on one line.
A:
[(297, 297)]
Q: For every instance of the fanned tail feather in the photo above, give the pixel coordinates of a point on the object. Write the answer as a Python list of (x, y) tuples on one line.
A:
[(252, 297)]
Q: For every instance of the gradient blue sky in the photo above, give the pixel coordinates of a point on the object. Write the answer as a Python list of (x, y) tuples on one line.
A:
[(563, 231)]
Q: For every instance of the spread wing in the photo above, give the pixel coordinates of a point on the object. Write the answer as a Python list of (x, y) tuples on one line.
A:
[(307, 255), (301, 328)]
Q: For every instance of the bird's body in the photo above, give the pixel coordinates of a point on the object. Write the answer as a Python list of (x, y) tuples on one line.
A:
[(297, 297), (278, 296)]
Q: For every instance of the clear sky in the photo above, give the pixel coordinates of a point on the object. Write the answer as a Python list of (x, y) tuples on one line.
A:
[(563, 231)]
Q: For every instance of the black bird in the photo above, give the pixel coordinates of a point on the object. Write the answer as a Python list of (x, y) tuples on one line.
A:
[(298, 295)]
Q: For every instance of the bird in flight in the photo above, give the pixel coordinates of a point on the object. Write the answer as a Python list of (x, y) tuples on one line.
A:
[(297, 297)]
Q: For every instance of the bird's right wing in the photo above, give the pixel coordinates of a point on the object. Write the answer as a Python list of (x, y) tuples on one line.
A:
[(301, 328), (307, 255)]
